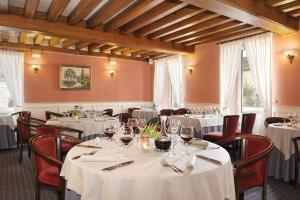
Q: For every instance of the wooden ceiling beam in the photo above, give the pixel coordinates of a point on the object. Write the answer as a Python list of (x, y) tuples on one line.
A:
[(92, 47), (4, 6), (158, 12), (4, 36), (129, 51), (197, 28), (56, 8), (289, 7), (220, 34), (209, 31), (119, 49), (78, 33), (202, 17), (151, 53), (163, 55), (295, 13), (107, 11), (82, 10), (54, 41), (251, 12), (38, 39), (67, 43), (276, 3), (30, 8), (81, 45), (137, 9), (22, 37), (139, 52), (28, 47), (107, 48), (173, 18)]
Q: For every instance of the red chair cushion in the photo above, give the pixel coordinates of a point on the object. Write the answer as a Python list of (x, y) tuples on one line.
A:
[(249, 178), (50, 176), (213, 136), (66, 146)]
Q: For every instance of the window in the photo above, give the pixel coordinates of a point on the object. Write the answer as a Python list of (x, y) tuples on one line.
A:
[(250, 98), (5, 100)]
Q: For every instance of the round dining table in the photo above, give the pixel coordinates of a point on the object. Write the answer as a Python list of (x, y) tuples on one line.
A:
[(146, 178)]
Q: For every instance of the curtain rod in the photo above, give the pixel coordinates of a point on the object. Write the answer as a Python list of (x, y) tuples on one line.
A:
[(242, 37)]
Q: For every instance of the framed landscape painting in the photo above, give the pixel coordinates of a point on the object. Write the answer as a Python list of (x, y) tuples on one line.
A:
[(74, 77)]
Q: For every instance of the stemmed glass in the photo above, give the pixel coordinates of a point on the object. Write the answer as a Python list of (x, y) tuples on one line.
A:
[(109, 131), (133, 123), (126, 135), (173, 129), (186, 134)]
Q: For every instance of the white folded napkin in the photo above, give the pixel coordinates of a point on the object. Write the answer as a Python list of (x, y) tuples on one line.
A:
[(93, 158), (200, 143)]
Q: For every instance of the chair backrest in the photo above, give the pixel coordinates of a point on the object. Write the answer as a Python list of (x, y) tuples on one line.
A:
[(130, 110), (108, 112), (248, 121), (58, 130), (47, 130), (49, 114), (272, 120), (23, 126), (181, 111), (123, 117), (24, 114), (230, 124), (167, 112)]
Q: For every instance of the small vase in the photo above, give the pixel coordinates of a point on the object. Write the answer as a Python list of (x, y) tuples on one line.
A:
[(145, 144)]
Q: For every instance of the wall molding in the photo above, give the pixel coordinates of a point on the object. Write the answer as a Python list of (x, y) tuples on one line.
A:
[(285, 110)]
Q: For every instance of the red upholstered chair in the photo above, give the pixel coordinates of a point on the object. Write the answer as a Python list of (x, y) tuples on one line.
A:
[(272, 120), (49, 115), (24, 114), (47, 164), (251, 170), (230, 124), (108, 112), (130, 110), (248, 121), (167, 112), (181, 111), (297, 160), (123, 117)]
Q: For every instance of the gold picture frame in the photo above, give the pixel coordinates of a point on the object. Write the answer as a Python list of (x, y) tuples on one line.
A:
[(73, 77)]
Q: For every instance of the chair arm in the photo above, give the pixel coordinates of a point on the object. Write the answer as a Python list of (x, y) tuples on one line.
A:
[(71, 138), (49, 159), (38, 120), (16, 113)]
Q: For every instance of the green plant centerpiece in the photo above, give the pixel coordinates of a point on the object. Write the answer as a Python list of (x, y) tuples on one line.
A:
[(76, 112)]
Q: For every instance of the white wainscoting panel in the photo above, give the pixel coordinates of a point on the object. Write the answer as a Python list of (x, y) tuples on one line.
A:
[(283, 111)]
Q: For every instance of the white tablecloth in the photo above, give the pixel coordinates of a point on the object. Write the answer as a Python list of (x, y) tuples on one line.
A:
[(281, 164), (88, 126), (7, 134), (146, 179), (199, 122), (144, 114)]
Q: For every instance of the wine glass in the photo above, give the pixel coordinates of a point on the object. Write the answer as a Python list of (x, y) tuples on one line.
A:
[(173, 129), (109, 131), (133, 123), (186, 134), (126, 135)]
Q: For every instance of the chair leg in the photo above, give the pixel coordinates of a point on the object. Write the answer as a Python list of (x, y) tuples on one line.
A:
[(296, 174), (21, 152), (61, 195), (241, 196), (264, 192), (37, 190), (29, 152), (18, 138)]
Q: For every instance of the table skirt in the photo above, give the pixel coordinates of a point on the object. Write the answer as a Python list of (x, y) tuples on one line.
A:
[(280, 168), (206, 130), (7, 137)]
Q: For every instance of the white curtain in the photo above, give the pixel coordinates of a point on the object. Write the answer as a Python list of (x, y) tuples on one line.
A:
[(12, 63), (175, 70), (230, 65), (259, 57), (159, 80)]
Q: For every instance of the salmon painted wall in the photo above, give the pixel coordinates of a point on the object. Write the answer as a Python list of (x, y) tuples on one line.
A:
[(286, 76), (202, 86), (132, 81)]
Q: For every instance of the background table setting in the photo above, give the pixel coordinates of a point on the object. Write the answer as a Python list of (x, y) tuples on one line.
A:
[(146, 114), (281, 164), (7, 134), (91, 127), (103, 169), (202, 124)]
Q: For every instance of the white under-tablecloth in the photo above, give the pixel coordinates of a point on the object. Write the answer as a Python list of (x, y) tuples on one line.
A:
[(144, 114), (7, 120), (88, 126), (281, 164), (7, 133), (146, 179), (199, 122)]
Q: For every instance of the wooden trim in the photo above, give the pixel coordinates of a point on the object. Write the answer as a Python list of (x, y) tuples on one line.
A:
[(54, 41), (56, 8), (22, 37), (38, 39), (63, 30), (4, 36), (251, 12), (67, 43), (30, 8)]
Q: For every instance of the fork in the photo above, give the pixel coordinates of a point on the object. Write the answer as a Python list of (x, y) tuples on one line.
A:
[(90, 153)]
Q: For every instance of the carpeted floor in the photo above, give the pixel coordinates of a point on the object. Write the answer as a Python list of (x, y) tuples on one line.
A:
[(17, 182)]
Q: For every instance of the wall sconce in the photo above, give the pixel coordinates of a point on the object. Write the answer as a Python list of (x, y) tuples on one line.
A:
[(112, 61), (190, 68), (36, 68), (35, 53), (290, 54), (112, 72)]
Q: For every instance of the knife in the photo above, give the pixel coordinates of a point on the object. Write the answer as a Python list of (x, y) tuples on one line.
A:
[(89, 146), (209, 159), (118, 165)]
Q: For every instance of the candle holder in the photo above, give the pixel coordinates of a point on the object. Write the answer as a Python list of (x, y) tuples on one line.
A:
[(145, 144)]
